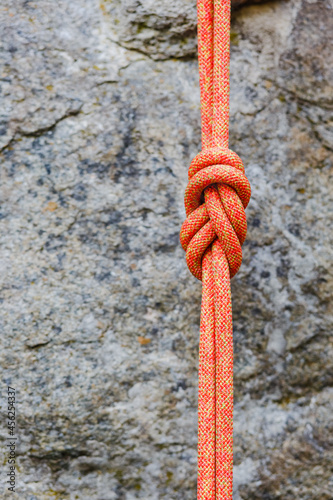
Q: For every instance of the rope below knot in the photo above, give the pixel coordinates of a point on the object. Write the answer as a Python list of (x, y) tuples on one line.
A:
[(212, 235)]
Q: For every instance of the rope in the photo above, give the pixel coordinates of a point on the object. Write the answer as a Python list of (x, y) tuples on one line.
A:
[(212, 234)]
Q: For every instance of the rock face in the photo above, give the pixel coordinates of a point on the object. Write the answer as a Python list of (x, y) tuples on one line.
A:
[(100, 118)]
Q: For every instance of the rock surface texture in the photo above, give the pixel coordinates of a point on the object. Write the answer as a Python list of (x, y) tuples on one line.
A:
[(100, 118)]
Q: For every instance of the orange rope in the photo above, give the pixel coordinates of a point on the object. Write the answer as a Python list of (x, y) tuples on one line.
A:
[(215, 198)]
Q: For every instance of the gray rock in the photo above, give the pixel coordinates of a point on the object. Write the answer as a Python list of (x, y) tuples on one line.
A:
[(157, 28), (100, 317)]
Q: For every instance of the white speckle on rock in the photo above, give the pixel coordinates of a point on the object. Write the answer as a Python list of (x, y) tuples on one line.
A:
[(276, 342)]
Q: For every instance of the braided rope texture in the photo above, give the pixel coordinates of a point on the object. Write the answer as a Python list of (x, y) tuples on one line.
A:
[(212, 235)]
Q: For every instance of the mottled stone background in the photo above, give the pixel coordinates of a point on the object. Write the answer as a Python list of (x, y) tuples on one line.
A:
[(100, 118)]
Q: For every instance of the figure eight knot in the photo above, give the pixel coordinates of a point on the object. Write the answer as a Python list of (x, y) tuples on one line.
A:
[(217, 193)]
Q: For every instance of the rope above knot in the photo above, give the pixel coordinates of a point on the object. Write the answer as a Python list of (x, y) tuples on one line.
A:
[(217, 193)]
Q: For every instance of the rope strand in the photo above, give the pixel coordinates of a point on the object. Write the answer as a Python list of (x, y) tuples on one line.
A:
[(212, 236)]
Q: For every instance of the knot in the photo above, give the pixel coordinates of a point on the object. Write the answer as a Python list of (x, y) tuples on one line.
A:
[(217, 193)]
